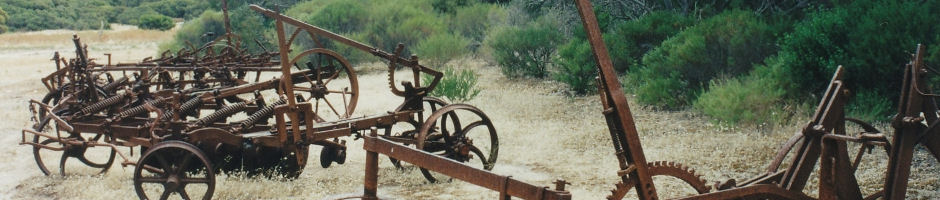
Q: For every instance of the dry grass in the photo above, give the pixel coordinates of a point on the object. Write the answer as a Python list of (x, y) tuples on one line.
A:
[(544, 136)]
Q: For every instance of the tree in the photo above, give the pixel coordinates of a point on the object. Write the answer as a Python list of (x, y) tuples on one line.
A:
[(156, 21)]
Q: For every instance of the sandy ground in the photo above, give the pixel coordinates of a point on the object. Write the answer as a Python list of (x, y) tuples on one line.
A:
[(543, 135)]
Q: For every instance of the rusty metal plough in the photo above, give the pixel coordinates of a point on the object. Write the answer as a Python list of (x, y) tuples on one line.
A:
[(197, 113)]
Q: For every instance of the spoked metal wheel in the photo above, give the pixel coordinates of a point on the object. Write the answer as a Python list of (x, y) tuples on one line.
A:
[(92, 160), (406, 131), (331, 83), (460, 132), (174, 167)]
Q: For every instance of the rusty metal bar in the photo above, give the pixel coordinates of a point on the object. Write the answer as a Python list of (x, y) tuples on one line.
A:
[(482, 178), (619, 118)]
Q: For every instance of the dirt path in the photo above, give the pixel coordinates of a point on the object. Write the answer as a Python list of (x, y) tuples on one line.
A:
[(544, 136)]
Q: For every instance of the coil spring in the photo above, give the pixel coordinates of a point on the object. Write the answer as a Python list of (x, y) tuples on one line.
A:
[(114, 85), (224, 112), (260, 114), (137, 110), (110, 101), (184, 108)]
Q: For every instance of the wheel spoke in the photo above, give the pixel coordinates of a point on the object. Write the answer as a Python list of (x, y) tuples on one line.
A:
[(152, 180), (163, 163), (182, 191), (195, 180), (486, 163), (332, 108), (186, 160), (166, 194)]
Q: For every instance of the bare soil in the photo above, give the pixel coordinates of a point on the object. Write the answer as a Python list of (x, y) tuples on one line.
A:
[(544, 135)]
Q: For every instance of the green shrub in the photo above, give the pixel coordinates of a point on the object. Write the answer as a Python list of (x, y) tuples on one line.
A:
[(751, 99), (456, 86), (665, 91), (727, 44), (29, 15), (341, 16), (630, 40), (157, 22), (194, 31), (577, 67), (870, 106), (870, 38), (472, 21), (525, 51), (440, 48), (405, 22), (449, 6), (3, 21)]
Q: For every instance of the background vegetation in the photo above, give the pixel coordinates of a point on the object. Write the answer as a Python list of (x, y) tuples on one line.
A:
[(747, 62)]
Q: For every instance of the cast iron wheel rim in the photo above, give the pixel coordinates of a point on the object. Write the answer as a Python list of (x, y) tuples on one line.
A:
[(52, 99), (320, 89), (427, 137), (173, 175), (415, 122)]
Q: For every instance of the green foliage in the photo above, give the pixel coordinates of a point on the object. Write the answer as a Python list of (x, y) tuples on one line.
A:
[(727, 44), (870, 38), (630, 40), (449, 6), (525, 51), (405, 22), (3, 21), (577, 67), (341, 16), (194, 32), (751, 99), (26, 15), (870, 106), (156, 21), (472, 21), (440, 48), (456, 86)]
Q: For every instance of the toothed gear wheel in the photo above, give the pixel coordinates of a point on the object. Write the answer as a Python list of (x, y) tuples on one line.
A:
[(663, 168)]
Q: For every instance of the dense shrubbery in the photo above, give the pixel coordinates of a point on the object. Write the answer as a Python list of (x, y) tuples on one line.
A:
[(3, 21), (472, 21), (870, 38), (156, 21), (194, 31), (727, 44), (630, 40), (577, 67), (440, 48), (753, 99), (26, 15), (456, 86), (525, 51)]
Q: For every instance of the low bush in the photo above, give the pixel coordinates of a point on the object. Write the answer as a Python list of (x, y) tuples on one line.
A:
[(870, 106), (472, 21), (752, 99), (441, 48), (3, 21), (194, 32), (727, 44), (630, 40), (525, 51), (871, 39), (576, 67), (456, 86), (156, 22)]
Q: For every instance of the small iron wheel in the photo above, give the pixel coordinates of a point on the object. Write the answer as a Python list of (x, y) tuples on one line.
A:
[(178, 167), (407, 130), (447, 133)]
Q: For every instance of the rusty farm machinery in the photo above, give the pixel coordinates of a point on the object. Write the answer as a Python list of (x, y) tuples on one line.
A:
[(177, 109)]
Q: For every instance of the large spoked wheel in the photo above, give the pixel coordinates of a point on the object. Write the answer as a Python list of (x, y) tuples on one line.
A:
[(460, 132), (331, 83), (95, 160), (174, 167), (405, 132)]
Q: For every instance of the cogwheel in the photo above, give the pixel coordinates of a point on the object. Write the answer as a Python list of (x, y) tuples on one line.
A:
[(663, 168)]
